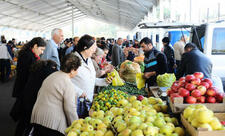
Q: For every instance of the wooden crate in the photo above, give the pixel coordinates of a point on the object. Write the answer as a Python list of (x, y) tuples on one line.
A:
[(178, 106), (203, 131), (157, 91)]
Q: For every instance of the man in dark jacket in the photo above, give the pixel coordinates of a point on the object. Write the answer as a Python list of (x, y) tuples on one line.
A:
[(155, 61), (117, 53), (193, 60), (169, 52)]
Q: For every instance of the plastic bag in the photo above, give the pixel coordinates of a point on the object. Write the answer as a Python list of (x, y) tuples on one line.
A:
[(117, 81), (140, 81), (165, 80), (128, 71)]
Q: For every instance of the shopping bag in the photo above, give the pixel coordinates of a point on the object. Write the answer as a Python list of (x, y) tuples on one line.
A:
[(117, 81), (83, 107), (140, 81)]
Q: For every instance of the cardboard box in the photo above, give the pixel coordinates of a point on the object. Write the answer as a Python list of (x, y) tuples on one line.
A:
[(203, 131), (178, 106)]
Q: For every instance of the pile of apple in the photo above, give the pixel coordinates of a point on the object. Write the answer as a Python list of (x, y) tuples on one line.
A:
[(195, 89), (201, 117), (132, 117)]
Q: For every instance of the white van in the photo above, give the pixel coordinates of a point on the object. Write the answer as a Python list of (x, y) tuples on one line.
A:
[(210, 39)]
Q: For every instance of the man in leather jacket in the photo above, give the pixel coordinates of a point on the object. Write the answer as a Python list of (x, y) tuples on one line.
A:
[(193, 60)]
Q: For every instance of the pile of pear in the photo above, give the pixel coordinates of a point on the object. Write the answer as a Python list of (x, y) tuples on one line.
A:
[(199, 116), (131, 117)]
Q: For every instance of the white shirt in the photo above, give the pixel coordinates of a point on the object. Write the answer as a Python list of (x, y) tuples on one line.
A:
[(86, 78), (4, 54), (178, 49)]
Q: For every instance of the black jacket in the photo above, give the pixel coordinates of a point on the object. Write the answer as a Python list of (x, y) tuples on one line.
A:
[(169, 52), (194, 61), (32, 87), (22, 71), (155, 61)]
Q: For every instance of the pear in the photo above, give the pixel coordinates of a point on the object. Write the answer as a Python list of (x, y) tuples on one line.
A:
[(125, 132), (84, 134), (205, 125), (159, 122), (152, 100), (204, 116), (109, 133), (179, 131), (71, 133), (99, 133), (151, 130), (132, 98), (143, 126), (166, 130), (137, 132), (215, 124)]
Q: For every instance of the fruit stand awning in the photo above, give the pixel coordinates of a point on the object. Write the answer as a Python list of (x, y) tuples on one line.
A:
[(43, 15)]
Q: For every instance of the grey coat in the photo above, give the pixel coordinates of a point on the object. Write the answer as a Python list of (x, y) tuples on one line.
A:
[(117, 55)]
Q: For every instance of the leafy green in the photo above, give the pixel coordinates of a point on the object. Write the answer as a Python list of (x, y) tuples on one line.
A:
[(165, 80)]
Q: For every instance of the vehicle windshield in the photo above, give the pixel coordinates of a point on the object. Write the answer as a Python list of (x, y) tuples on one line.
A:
[(218, 41)]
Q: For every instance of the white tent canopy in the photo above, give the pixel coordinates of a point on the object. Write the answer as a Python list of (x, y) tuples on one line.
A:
[(43, 15)]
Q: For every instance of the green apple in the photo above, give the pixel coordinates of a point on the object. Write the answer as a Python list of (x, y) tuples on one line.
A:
[(143, 126), (132, 98), (137, 105), (204, 116), (145, 101), (187, 112), (123, 102)]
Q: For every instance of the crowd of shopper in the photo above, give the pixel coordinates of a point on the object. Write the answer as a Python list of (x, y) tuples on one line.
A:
[(53, 76)]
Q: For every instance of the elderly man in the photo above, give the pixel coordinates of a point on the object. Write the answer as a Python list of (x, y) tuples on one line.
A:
[(117, 53), (51, 51)]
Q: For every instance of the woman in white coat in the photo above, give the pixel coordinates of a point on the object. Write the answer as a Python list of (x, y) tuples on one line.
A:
[(86, 78)]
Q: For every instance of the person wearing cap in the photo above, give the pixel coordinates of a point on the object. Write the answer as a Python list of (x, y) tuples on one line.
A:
[(169, 52), (86, 79), (155, 62)]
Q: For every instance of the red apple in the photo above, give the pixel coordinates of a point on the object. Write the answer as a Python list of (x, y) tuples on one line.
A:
[(219, 97), (169, 92), (183, 92), (196, 81), (201, 99), (211, 99), (188, 78), (199, 75), (222, 122), (182, 79), (209, 81), (202, 89), (182, 84), (172, 96), (175, 86), (190, 99), (190, 86), (196, 93), (140, 97), (211, 91), (205, 84)]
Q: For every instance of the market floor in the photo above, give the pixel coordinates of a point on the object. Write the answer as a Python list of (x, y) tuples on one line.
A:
[(7, 125)]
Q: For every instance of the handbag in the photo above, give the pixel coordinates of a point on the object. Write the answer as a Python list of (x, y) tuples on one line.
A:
[(83, 107)]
